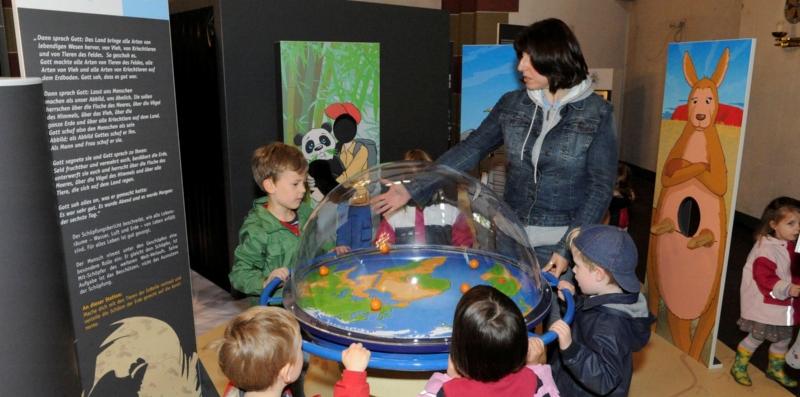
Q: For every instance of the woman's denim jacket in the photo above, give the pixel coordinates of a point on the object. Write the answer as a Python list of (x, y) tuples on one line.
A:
[(577, 165)]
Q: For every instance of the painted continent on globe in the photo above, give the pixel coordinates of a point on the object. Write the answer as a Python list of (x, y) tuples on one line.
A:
[(409, 294), (347, 297)]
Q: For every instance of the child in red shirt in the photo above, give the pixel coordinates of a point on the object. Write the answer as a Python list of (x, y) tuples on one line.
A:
[(261, 353)]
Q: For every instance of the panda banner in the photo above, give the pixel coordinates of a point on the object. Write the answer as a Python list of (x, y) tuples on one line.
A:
[(331, 108), (106, 69)]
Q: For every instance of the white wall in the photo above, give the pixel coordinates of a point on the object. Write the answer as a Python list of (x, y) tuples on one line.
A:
[(771, 155), (601, 27), (771, 159), (644, 83)]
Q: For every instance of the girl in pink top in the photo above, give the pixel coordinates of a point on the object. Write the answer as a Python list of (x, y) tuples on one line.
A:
[(768, 291), (490, 353)]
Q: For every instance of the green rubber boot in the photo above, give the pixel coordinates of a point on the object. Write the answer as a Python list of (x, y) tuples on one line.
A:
[(739, 367), (775, 370)]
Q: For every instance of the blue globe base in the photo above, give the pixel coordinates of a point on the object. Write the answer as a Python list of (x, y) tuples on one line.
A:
[(399, 361)]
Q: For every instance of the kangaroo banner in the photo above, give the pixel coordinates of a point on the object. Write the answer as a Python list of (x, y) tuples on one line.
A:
[(106, 71), (703, 118)]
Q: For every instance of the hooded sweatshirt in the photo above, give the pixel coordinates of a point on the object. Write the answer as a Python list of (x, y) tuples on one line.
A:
[(548, 235), (552, 115)]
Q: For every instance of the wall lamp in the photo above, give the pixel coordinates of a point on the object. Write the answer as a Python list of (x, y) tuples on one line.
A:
[(782, 39), (792, 14)]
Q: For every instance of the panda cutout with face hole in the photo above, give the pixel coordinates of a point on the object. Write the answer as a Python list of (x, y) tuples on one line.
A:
[(319, 148), (355, 153)]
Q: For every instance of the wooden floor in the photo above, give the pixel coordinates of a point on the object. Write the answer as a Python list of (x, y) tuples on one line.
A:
[(659, 370)]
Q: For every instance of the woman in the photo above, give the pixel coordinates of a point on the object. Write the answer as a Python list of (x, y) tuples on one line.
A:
[(560, 140)]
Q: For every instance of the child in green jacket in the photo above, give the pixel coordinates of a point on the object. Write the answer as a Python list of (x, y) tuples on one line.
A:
[(270, 235)]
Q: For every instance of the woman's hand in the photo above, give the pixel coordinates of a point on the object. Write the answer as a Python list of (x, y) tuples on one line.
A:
[(341, 249), (392, 200), (557, 265)]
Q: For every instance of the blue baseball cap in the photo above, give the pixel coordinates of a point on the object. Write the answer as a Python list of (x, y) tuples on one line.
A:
[(612, 249)]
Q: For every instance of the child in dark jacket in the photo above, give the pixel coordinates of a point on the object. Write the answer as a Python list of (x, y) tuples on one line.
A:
[(611, 317), (490, 353)]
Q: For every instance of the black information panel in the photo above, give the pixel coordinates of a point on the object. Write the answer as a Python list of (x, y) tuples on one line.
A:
[(110, 105), (36, 326)]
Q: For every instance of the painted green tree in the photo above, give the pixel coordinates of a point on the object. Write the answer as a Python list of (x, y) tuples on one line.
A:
[(316, 74)]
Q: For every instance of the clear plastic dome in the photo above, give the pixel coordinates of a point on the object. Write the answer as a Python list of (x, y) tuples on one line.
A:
[(398, 286)]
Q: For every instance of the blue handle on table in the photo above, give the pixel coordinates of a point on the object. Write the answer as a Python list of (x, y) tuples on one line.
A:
[(551, 336), (381, 360), (400, 362)]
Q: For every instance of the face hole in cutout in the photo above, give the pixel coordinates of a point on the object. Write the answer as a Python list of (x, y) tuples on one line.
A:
[(344, 128), (688, 216)]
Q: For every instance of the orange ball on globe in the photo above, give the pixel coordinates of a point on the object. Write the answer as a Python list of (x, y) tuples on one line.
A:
[(375, 304), (464, 288), (384, 248), (323, 270), (474, 263)]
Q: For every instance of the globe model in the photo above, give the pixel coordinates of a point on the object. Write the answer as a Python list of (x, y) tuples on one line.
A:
[(392, 281)]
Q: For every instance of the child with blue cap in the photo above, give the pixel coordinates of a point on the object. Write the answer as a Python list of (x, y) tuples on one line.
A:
[(611, 317)]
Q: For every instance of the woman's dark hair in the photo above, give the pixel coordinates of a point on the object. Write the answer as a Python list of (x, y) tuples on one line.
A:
[(775, 211), (490, 339), (554, 51)]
